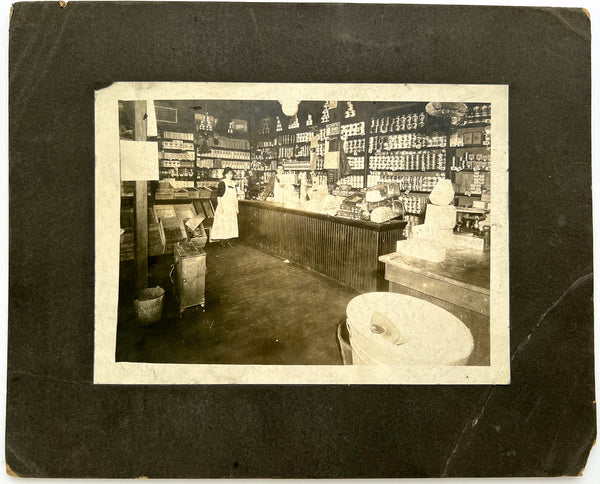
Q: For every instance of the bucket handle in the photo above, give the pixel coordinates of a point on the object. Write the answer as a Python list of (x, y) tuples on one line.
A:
[(171, 274), (349, 330)]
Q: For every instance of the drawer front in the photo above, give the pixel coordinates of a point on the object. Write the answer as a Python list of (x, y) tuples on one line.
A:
[(192, 263), (460, 296)]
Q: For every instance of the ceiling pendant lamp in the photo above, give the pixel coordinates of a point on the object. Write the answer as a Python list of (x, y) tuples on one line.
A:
[(454, 112), (289, 107)]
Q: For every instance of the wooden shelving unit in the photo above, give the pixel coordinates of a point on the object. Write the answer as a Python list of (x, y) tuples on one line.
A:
[(177, 158)]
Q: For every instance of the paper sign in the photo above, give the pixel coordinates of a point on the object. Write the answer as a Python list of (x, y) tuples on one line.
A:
[(332, 160), (151, 127), (139, 160)]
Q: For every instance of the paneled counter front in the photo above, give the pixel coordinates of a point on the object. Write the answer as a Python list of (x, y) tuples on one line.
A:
[(344, 249)]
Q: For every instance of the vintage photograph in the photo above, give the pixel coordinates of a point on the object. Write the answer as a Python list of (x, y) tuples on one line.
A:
[(277, 233)]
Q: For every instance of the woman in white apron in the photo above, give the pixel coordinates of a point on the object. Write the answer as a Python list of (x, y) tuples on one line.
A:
[(278, 187), (225, 225)]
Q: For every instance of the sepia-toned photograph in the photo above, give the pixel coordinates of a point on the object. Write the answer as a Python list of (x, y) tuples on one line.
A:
[(255, 240), (302, 233)]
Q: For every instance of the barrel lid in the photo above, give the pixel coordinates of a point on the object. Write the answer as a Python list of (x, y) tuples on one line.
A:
[(421, 333)]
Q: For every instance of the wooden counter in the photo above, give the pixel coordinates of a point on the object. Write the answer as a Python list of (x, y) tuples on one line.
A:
[(346, 250), (460, 284)]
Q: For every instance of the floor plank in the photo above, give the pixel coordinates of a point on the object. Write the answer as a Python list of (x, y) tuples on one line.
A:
[(259, 310)]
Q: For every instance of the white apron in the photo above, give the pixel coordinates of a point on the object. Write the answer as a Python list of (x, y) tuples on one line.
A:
[(278, 190), (225, 225)]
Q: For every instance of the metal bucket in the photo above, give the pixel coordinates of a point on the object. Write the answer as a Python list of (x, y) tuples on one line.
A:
[(149, 304)]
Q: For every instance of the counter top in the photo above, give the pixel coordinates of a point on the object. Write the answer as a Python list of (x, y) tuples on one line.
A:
[(377, 227), (466, 268)]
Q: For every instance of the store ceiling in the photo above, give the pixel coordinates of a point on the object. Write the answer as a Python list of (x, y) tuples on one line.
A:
[(253, 111)]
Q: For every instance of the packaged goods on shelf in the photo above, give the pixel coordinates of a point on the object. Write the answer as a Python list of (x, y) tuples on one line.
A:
[(302, 151), (232, 143), (417, 183), (177, 145), (471, 161), (236, 165), (356, 162), (413, 204), (174, 155), (480, 113), (286, 152), (303, 137), (471, 183), (178, 136), (393, 124), (405, 141), (203, 184), (286, 139), (409, 160), (352, 180), (164, 173), (229, 154), (354, 129), (259, 165), (296, 165), (206, 163), (354, 145)]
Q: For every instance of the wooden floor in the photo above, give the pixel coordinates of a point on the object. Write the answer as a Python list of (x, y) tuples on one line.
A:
[(259, 310)]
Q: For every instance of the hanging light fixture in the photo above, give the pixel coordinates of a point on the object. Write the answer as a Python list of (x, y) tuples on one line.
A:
[(289, 107), (454, 112)]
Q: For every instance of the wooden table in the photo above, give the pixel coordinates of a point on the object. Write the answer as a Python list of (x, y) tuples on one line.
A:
[(460, 284), (346, 250)]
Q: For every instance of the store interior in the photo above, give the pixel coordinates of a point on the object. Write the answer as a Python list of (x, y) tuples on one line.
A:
[(363, 232)]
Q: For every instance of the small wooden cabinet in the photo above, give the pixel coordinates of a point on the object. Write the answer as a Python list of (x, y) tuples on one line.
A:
[(190, 275)]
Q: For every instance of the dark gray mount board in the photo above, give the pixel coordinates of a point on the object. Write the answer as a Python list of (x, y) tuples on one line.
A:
[(61, 425)]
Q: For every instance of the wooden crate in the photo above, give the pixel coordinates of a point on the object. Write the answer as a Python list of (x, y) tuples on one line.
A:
[(156, 239), (174, 231), (198, 237), (164, 211), (193, 193), (185, 211), (164, 194), (180, 194)]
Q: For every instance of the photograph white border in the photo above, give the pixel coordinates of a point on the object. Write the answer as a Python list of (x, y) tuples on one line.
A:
[(107, 210)]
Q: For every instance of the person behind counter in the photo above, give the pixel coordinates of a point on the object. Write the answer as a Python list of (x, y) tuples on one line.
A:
[(253, 185), (225, 225), (275, 186)]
